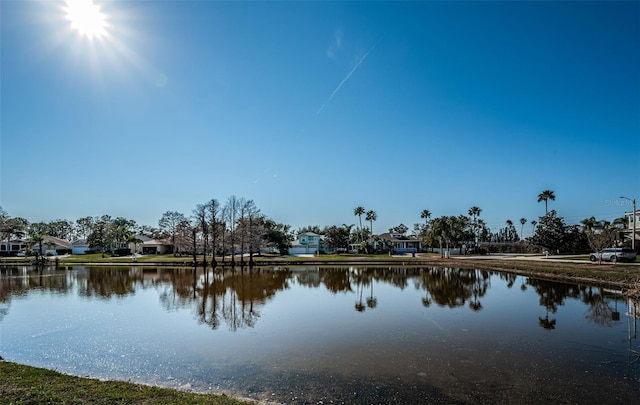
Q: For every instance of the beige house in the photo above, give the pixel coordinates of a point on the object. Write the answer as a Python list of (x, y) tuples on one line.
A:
[(50, 243), (151, 246)]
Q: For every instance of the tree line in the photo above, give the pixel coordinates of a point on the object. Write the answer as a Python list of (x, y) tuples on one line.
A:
[(237, 227)]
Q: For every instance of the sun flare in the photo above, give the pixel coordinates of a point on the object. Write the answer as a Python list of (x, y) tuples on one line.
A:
[(86, 18)]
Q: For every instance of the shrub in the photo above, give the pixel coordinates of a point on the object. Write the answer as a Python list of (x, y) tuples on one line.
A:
[(122, 252)]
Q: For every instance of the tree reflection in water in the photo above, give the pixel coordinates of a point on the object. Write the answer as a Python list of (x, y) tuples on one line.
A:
[(454, 287), (235, 296), (407, 324), (553, 294)]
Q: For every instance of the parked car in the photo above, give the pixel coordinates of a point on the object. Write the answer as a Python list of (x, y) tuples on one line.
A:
[(615, 255)]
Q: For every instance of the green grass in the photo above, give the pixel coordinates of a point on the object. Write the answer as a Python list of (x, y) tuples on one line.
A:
[(29, 385), (577, 257)]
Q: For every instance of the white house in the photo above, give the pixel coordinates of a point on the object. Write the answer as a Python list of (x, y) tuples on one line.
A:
[(400, 243), (307, 243), (12, 247), (629, 230)]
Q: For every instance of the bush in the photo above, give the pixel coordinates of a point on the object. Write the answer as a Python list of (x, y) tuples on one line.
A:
[(122, 252)]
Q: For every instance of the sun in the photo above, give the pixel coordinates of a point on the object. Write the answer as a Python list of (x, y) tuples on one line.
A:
[(86, 18)]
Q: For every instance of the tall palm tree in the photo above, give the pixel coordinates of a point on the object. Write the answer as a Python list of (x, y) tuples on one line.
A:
[(36, 239), (474, 212), (133, 238), (533, 225), (522, 222), (545, 196), (425, 214), (509, 226), (358, 211), (371, 216)]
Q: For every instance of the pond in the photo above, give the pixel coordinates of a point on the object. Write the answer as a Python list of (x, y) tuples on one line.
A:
[(327, 335)]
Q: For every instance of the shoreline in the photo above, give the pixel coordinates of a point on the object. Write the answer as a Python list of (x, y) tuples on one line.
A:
[(625, 276)]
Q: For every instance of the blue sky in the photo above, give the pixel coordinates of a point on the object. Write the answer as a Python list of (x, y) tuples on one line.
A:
[(313, 108)]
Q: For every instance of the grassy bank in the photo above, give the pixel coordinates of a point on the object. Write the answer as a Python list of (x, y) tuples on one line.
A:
[(29, 385)]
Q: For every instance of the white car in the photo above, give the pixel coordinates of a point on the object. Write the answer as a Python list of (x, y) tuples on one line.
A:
[(614, 255)]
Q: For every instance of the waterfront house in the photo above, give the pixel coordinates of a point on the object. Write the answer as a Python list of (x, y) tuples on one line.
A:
[(307, 243), (399, 243)]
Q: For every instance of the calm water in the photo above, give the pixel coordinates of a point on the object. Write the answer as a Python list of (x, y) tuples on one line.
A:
[(328, 335)]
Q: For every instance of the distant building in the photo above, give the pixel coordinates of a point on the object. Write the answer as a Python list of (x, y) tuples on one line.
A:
[(12, 247), (399, 243), (630, 219), (307, 243)]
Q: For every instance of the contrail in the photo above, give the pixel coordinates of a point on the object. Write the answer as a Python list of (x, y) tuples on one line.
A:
[(348, 75)]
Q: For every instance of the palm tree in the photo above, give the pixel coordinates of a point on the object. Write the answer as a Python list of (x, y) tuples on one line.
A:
[(371, 216), (545, 196), (358, 211), (533, 225), (509, 226), (425, 214), (36, 239), (50, 245), (589, 223), (475, 212), (522, 222), (620, 223), (133, 238), (372, 301)]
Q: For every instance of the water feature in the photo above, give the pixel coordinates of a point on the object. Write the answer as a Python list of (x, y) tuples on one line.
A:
[(323, 335)]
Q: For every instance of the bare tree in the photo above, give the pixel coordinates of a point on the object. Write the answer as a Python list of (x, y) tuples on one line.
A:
[(600, 235), (169, 223), (213, 211), (224, 214), (200, 220), (254, 227), (243, 211), (184, 237), (232, 207)]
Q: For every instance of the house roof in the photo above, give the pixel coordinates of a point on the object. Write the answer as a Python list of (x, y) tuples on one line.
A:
[(308, 234), (395, 237), (155, 242), (59, 242)]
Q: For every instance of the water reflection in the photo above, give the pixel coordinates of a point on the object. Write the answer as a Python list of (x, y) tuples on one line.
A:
[(234, 297), (454, 287), (396, 328)]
